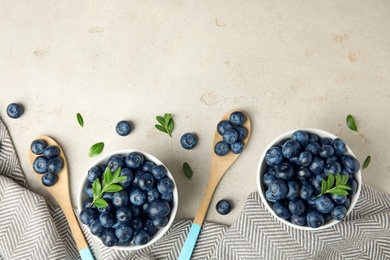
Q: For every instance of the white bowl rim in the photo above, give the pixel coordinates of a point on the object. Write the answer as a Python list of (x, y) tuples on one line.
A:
[(150, 157), (320, 133)]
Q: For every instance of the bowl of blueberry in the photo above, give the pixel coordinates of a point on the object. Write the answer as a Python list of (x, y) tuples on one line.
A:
[(309, 179), (128, 199)]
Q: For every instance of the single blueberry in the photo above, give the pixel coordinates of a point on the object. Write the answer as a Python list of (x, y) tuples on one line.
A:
[(40, 164), (339, 212), (124, 214), (51, 151), (298, 220), (14, 110), (107, 196), (339, 146), (159, 171), (268, 177), (324, 204), (149, 227), (153, 195), (136, 223), (284, 171), (230, 136), (297, 206), (158, 209), (237, 147), (237, 118), (129, 177), (281, 210), (49, 179), (55, 164), (109, 238), (274, 156), (291, 148), (37, 146), (147, 166), (306, 191), (347, 203), (353, 185), (316, 183), (224, 206), (146, 181), (88, 190), (313, 147), (339, 199), (120, 199), (350, 163), (332, 166), (134, 160), (88, 215), (123, 128), (137, 196), (304, 173), (242, 132), (87, 203), (141, 237), (97, 228), (221, 148), (301, 137), (325, 141), (315, 219), (94, 173), (160, 222), (124, 232), (107, 219), (138, 173), (293, 190), (167, 196), (317, 165), (165, 185), (311, 202), (188, 141), (313, 137), (326, 151), (305, 158), (278, 189), (270, 196), (223, 126), (115, 162)]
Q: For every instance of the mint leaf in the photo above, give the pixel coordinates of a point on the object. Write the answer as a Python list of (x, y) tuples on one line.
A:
[(367, 162), (351, 123), (100, 203), (339, 188), (80, 119), (96, 149), (166, 124), (187, 170)]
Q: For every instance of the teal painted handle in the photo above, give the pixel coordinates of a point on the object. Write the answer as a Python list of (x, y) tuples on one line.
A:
[(86, 254), (190, 242)]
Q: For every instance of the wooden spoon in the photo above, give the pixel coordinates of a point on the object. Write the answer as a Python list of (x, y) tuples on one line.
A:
[(219, 165), (60, 191)]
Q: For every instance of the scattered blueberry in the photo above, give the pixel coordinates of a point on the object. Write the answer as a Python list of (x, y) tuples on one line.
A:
[(188, 141), (224, 206), (123, 128), (14, 110)]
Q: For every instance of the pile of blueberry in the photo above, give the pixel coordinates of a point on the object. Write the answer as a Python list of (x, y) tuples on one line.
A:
[(296, 167), (48, 163), (136, 213), (233, 134)]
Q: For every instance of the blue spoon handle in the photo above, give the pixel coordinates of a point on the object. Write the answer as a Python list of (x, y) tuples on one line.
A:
[(86, 254), (190, 242)]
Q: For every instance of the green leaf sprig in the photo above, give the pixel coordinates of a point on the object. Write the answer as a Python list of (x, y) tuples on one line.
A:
[(109, 184), (80, 119), (96, 149), (351, 123), (187, 170), (166, 124), (336, 186), (367, 162)]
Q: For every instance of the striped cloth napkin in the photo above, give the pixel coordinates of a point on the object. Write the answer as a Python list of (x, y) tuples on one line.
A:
[(31, 229)]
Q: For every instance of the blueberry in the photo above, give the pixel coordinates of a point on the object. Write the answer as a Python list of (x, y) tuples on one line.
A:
[(160, 222), (137, 174), (315, 219), (339, 199), (109, 238), (167, 196), (137, 196), (188, 141), (109, 208), (297, 206), (120, 199), (89, 215), (284, 171), (290, 148), (115, 162), (97, 228), (40, 164), (268, 177), (88, 190), (237, 147), (304, 173), (223, 126), (14, 110), (123, 128), (221, 148), (159, 171), (87, 202), (305, 158), (339, 212), (324, 204), (293, 190), (129, 177), (311, 202), (37, 146), (165, 185), (124, 232), (55, 164), (274, 156), (230, 136), (313, 147), (153, 195), (326, 151), (51, 151), (350, 163), (124, 214), (313, 137), (237, 118), (136, 211), (347, 202), (353, 185), (325, 141), (141, 237), (136, 223), (158, 209), (224, 206), (146, 181), (94, 173), (242, 133), (317, 165), (278, 188), (316, 183), (332, 166), (107, 196), (298, 220), (149, 227), (301, 137), (281, 210), (147, 166), (270, 196), (49, 179), (134, 160), (339, 146), (107, 219), (306, 191)]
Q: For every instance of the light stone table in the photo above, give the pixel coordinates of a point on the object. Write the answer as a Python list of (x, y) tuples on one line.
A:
[(287, 64)]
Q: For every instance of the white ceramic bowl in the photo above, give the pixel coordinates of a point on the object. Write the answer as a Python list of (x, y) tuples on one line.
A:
[(263, 165), (102, 160)]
